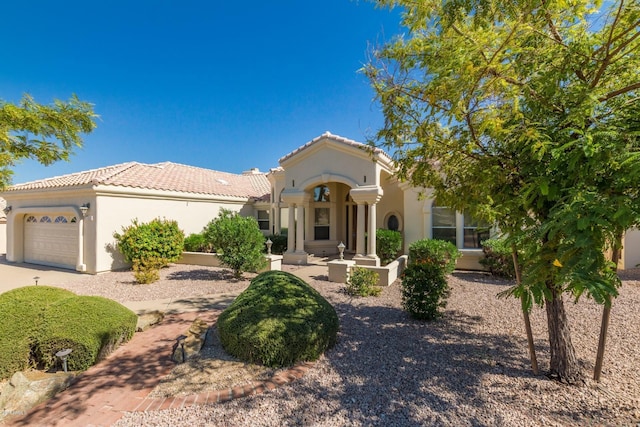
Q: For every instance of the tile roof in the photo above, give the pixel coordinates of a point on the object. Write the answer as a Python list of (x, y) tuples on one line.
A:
[(337, 138), (165, 176)]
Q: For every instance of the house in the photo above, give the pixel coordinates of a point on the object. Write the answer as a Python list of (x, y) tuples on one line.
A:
[(3, 227), (329, 191)]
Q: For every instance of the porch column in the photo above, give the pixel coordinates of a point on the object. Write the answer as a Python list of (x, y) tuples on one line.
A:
[(360, 250), (300, 229), (291, 233), (372, 231), (370, 195)]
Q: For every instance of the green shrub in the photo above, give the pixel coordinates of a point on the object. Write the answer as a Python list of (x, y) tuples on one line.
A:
[(363, 282), (89, 325), (196, 242), (147, 271), (432, 251), (498, 258), (388, 245), (22, 313), (39, 321), (424, 290), (238, 242), (279, 244), (277, 321), (153, 245)]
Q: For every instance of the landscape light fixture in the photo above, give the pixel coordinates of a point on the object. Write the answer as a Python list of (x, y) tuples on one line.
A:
[(84, 208), (63, 354), (341, 247), (269, 243)]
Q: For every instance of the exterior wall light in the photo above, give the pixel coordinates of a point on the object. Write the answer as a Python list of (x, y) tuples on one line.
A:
[(7, 210), (84, 208)]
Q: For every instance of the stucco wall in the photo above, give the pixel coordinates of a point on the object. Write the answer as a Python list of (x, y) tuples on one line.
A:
[(113, 212), (3, 236)]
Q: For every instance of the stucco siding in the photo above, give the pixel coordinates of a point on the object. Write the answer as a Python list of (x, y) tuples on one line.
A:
[(3, 237), (114, 212)]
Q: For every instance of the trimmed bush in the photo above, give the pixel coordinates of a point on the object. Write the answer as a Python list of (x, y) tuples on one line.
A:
[(388, 245), (424, 290), (432, 251), (279, 244), (156, 243), (39, 321), (278, 321), (196, 242), (363, 282), (92, 326), (238, 242), (498, 258), (22, 313)]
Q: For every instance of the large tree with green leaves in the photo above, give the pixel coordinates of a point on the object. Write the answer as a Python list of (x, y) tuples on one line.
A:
[(46, 133), (525, 113)]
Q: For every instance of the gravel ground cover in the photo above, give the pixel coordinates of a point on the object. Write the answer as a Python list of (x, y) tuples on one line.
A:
[(469, 368)]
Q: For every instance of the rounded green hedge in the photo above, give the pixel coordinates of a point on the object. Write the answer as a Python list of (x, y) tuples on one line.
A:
[(277, 321), (39, 321), (22, 313)]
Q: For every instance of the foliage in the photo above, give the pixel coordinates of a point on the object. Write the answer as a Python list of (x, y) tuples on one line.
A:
[(23, 312), (388, 245), (424, 290), (45, 320), (277, 321), (498, 258), (527, 113), (279, 244), (45, 133), (363, 282), (433, 251), (150, 246), (196, 242), (237, 240)]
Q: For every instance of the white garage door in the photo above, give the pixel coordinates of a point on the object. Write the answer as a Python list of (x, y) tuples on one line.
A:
[(51, 240)]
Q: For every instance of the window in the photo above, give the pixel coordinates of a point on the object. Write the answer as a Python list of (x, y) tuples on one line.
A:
[(263, 220), (31, 218), (321, 224), (393, 223), (45, 219), (61, 219), (475, 232), (443, 223), (321, 194)]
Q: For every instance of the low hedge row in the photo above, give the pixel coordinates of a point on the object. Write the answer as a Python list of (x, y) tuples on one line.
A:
[(43, 320)]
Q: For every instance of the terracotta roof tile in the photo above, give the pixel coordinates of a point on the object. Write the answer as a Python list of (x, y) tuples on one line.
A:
[(165, 176), (337, 138)]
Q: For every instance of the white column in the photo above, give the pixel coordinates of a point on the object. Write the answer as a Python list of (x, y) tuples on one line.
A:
[(291, 233), (360, 249), (300, 229), (372, 230)]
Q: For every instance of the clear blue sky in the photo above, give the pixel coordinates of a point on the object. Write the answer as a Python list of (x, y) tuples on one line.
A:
[(223, 85)]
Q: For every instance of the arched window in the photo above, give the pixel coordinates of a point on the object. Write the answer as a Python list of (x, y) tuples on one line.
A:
[(31, 218), (321, 194), (45, 219), (393, 223), (61, 220)]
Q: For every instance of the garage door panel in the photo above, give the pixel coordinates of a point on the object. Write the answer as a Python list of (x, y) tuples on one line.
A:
[(50, 243)]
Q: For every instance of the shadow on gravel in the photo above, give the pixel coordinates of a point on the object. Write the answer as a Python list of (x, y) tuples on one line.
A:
[(202, 274), (404, 372)]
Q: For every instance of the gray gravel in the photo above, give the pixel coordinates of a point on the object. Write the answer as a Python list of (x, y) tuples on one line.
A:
[(469, 368)]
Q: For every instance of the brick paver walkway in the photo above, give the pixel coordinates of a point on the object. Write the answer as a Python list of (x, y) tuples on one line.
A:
[(122, 382)]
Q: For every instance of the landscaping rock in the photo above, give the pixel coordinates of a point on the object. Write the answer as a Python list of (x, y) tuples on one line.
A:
[(192, 341), (27, 389), (146, 320)]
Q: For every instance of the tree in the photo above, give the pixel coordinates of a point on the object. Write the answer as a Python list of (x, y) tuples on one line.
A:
[(524, 113), (237, 240), (46, 133)]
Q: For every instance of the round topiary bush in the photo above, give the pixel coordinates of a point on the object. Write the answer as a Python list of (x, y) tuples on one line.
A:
[(277, 321), (39, 321), (22, 313), (91, 326)]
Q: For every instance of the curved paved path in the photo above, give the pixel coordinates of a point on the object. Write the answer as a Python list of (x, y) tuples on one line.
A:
[(122, 382)]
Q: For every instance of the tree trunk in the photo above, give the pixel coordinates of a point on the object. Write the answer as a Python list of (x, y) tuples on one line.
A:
[(564, 364)]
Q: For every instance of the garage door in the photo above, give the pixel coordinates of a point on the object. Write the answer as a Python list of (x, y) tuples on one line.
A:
[(51, 240)]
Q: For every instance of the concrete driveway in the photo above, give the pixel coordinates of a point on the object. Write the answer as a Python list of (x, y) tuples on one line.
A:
[(14, 275)]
